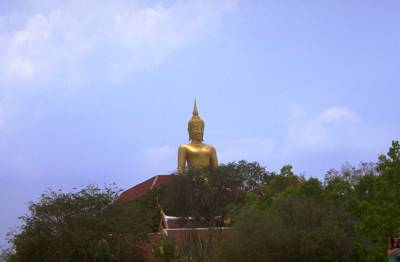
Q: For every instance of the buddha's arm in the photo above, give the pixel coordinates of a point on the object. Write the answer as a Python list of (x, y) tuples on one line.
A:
[(181, 160), (213, 158)]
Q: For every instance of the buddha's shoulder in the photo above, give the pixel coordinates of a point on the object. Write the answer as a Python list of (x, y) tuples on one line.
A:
[(189, 146), (184, 146)]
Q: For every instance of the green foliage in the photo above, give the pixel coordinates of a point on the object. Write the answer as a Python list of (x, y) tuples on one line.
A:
[(378, 206), (276, 217), (6, 254), (290, 219), (312, 188), (85, 225), (166, 250), (250, 174), (193, 248), (287, 216), (210, 194), (280, 186), (196, 249), (295, 228), (371, 194), (91, 225)]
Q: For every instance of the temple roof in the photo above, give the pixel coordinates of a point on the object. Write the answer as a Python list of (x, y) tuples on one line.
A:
[(141, 189)]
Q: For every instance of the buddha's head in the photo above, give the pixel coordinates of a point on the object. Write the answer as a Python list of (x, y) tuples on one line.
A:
[(196, 126)]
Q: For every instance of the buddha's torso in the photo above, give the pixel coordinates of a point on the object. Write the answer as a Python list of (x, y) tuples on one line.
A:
[(198, 155)]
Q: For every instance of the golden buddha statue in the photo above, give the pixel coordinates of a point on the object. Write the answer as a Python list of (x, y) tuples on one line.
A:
[(196, 154)]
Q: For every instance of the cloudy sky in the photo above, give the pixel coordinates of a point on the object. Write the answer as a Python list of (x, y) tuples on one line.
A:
[(101, 91)]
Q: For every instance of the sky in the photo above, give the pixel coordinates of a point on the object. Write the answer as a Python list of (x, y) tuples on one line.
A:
[(101, 91)]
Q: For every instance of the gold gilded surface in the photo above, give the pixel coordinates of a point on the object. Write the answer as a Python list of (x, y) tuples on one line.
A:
[(196, 154)]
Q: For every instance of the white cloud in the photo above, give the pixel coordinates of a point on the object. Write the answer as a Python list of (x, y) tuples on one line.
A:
[(322, 131), (338, 113), (331, 130), (115, 38), (20, 68)]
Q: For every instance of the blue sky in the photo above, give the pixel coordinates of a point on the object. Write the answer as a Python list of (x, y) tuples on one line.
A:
[(101, 91)]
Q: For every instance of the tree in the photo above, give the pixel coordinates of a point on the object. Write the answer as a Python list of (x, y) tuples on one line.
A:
[(204, 194), (279, 185), (371, 194), (192, 249), (91, 225), (84, 225), (378, 207), (212, 192), (251, 174), (295, 228), (290, 219), (6, 254)]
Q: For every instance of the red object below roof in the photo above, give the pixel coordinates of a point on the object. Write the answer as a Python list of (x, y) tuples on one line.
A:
[(141, 189)]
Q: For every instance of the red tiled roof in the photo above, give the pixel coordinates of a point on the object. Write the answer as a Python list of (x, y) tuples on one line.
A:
[(141, 189)]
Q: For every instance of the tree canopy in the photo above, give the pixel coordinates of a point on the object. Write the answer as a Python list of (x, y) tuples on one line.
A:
[(84, 225), (275, 216)]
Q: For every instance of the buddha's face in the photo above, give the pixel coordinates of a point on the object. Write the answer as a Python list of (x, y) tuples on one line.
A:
[(196, 132)]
